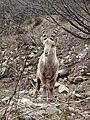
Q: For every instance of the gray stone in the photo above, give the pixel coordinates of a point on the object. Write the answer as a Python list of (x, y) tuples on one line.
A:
[(63, 73), (77, 79), (3, 72), (57, 84), (63, 89), (82, 54)]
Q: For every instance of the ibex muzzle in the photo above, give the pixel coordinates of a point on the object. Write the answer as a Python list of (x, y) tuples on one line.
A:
[(47, 70)]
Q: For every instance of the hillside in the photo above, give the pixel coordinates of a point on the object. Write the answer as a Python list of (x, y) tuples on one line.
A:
[(20, 53)]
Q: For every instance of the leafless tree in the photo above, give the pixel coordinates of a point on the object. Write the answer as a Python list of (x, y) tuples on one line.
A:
[(77, 13)]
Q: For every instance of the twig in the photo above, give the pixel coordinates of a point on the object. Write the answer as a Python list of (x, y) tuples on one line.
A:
[(15, 90), (30, 112)]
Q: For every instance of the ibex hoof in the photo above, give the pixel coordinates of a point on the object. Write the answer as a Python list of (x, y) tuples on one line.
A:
[(51, 99), (44, 97), (35, 93)]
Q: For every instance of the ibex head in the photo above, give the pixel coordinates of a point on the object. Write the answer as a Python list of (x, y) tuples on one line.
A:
[(49, 43), (49, 47)]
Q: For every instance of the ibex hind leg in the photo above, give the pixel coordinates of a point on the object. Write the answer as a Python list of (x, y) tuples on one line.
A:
[(37, 87)]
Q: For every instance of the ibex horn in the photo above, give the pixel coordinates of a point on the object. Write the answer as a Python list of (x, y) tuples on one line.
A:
[(54, 33), (44, 36)]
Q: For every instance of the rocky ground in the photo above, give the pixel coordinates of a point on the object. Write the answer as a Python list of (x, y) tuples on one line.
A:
[(19, 57)]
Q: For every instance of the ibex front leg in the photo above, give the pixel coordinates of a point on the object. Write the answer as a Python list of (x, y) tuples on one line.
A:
[(51, 86), (50, 90), (43, 79)]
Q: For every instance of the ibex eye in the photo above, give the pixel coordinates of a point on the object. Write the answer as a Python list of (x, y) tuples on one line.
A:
[(53, 45)]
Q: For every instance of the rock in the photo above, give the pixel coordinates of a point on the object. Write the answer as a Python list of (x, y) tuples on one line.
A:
[(5, 99), (65, 79), (34, 80), (57, 84), (63, 89), (3, 72), (82, 54), (39, 104), (71, 108), (88, 93), (63, 73), (32, 55), (23, 92), (25, 72), (62, 62), (51, 109), (88, 98), (77, 96), (41, 109), (77, 79), (29, 68), (7, 80), (24, 101), (71, 79), (86, 68), (86, 114), (39, 98)]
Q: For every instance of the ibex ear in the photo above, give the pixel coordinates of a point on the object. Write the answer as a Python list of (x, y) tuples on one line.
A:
[(44, 43), (44, 36)]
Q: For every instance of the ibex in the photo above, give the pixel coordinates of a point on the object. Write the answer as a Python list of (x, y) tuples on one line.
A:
[(48, 66)]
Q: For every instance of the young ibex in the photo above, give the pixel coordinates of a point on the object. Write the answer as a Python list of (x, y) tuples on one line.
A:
[(48, 66)]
